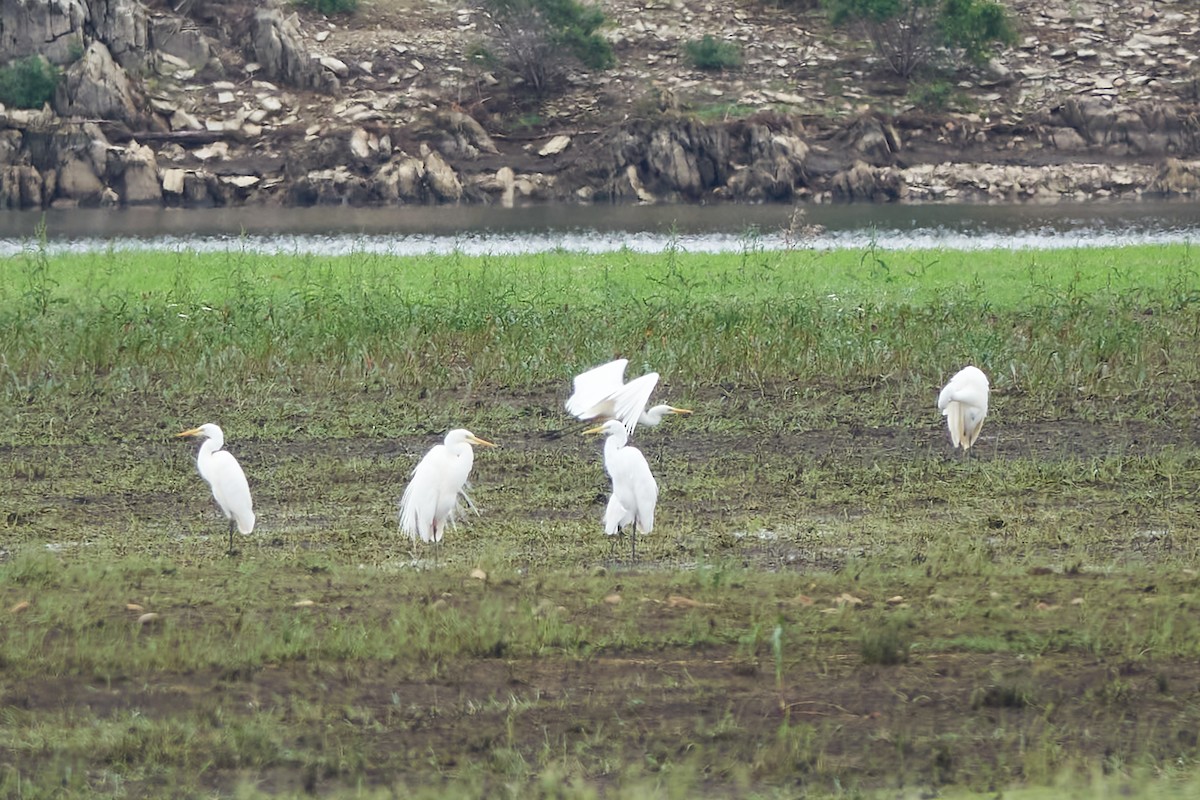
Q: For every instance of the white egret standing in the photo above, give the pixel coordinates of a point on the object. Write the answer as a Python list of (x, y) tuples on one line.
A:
[(431, 498), (964, 403), (224, 476), (635, 492), (601, 393)]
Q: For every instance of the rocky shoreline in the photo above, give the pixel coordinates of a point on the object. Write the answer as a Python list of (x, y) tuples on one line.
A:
[(247, 112)]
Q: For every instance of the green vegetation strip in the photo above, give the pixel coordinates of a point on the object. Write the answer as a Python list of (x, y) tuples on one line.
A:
[(832, 603)]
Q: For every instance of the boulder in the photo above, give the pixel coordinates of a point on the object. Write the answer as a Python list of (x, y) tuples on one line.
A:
[(875, 140), (555, 146), (10, 147), (441, 179), (122, 25), (454, 134), (96, 87), (402, 179), (864, 182), (278, 47), (337, 186), (672, 160), (172, 183), (507, 182), (360, 144), (78, 181), (775, 163), (21, 186), (173, 36), (1176, 177), (51, 28), (133, 173), (201, 190), (637, 187)]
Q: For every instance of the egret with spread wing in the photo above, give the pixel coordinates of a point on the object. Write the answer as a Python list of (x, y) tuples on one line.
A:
[(635, 492), (224, 475), (964, 403), (432, 496), (601, 393)]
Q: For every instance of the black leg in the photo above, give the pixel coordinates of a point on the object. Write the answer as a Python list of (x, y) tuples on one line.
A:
[(231, 551)]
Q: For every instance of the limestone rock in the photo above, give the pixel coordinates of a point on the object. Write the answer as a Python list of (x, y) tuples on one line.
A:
[(555, 146), (183, 121), (334, 65), (96, 87), (173, 181), (635, 183), (507, 182), (401, 179), (78, 181), (175, 37), (122, 25), (21, 186), (11, 144), (442, 179), (360, 144), (1177, 177), (455, 134), (337, 186), (864, 182), (776, 165), (201, 190), (278, 46), (673, 159), (1066, 139), (51, 28), (134, 175)]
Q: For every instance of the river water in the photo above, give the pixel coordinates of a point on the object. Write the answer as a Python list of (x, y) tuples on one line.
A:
[(719, 228)]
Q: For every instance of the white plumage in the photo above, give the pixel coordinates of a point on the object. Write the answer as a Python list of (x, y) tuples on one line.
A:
[(635, 492), (431, 499), (964, 403), (601, 393), (225, 477)]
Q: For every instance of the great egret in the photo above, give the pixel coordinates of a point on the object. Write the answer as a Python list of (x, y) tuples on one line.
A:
[(601, 393), (431, 498), (224, 475), (964, 403), (635, 492)]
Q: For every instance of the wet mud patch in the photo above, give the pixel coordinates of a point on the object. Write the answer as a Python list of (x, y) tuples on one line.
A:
[(943, 620)]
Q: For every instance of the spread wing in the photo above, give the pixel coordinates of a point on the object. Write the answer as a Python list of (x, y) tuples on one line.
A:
[(594, 388), (630, 400)]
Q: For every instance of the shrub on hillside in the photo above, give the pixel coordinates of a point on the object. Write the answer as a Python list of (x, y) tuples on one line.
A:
[(713, 54), (28, 83), (908, 34), (534, 38)]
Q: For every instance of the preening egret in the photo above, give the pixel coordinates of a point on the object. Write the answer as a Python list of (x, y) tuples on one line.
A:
[(431, 498), (601, 393), (964, 403), (635, 492), (224, 475)]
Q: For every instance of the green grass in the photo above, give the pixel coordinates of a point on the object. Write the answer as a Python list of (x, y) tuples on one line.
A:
[(237, 323), (832, 603)]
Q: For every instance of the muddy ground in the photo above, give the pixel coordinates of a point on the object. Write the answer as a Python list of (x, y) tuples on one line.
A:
[(1028, 582)]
